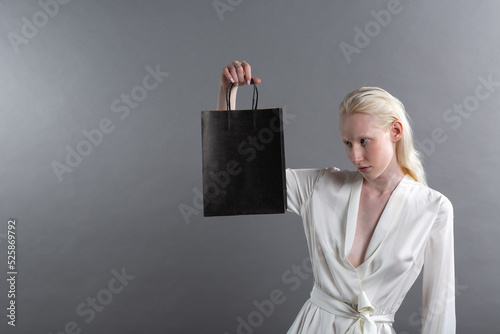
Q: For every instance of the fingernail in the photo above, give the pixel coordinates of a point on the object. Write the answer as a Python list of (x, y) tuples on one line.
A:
[(248, 82), (237, 84), (232, 80)]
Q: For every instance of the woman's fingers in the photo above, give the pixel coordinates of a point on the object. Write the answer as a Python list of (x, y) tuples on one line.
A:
[(227, 75), (247, 72), (234, 72), (239, 73)]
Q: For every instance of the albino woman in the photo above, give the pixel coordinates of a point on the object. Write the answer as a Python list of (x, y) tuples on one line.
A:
[(370, 232)]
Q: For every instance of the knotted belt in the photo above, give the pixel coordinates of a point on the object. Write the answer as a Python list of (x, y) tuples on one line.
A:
[(365, 320)]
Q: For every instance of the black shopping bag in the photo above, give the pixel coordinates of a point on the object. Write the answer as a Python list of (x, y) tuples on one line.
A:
[(243, 160)]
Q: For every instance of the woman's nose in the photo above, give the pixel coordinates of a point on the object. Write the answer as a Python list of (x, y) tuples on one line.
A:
[(356, 155)]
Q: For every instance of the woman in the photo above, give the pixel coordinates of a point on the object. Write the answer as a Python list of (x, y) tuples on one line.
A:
[(370, 232)]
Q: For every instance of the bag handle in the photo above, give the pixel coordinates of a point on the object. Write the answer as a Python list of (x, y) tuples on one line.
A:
[(255, 96)]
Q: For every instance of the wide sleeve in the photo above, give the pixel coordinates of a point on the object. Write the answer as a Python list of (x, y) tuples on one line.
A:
[(439, 275), (300, 185)]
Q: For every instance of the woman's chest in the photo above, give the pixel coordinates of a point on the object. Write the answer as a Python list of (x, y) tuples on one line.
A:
[(369, 212), (386, 231)]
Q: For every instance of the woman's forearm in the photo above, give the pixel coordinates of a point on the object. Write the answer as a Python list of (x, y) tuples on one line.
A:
[(221, 101)]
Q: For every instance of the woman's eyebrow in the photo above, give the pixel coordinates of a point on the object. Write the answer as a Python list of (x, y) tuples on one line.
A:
[(362, 136)]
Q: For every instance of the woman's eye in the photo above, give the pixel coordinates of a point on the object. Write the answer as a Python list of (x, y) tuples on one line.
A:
[(347, 143), (364, 141)]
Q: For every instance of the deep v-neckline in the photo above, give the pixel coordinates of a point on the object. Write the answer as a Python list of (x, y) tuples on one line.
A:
[(384, 222)]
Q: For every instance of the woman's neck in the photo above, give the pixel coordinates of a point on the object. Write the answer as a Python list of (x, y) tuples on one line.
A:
[(385, 183)]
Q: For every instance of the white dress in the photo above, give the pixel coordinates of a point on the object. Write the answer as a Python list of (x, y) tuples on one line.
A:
[(414, 232)]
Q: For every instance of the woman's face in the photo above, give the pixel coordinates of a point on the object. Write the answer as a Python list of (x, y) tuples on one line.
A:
[(371, 149)]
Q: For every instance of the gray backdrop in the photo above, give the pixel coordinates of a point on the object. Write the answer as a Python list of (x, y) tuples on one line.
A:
[(101, 152)]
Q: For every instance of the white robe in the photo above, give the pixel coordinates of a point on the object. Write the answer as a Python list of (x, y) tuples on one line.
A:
[(415, 231)]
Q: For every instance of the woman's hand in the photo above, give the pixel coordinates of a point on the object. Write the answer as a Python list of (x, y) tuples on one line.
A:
[(239, 73)]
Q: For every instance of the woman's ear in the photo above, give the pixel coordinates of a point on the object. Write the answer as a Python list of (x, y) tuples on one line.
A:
[(396, 131)]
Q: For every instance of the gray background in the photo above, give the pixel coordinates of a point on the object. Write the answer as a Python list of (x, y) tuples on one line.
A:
[(120, 206)]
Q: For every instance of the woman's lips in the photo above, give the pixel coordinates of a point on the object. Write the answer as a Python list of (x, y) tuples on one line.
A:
[(363, 169)]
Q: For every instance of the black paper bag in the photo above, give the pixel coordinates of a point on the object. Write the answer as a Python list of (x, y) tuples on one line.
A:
[(243, 160)]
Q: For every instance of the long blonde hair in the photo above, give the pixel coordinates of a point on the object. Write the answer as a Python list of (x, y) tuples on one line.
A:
[(386, 109)]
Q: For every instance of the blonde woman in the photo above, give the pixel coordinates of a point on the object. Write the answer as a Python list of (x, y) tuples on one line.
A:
[(371, 231)]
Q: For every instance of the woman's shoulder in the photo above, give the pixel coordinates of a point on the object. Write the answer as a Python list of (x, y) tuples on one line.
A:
[(322, 172), (326, 176), (424, 193)]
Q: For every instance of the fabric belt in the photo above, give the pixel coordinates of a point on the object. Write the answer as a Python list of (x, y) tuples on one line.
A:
[(365, 321)]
